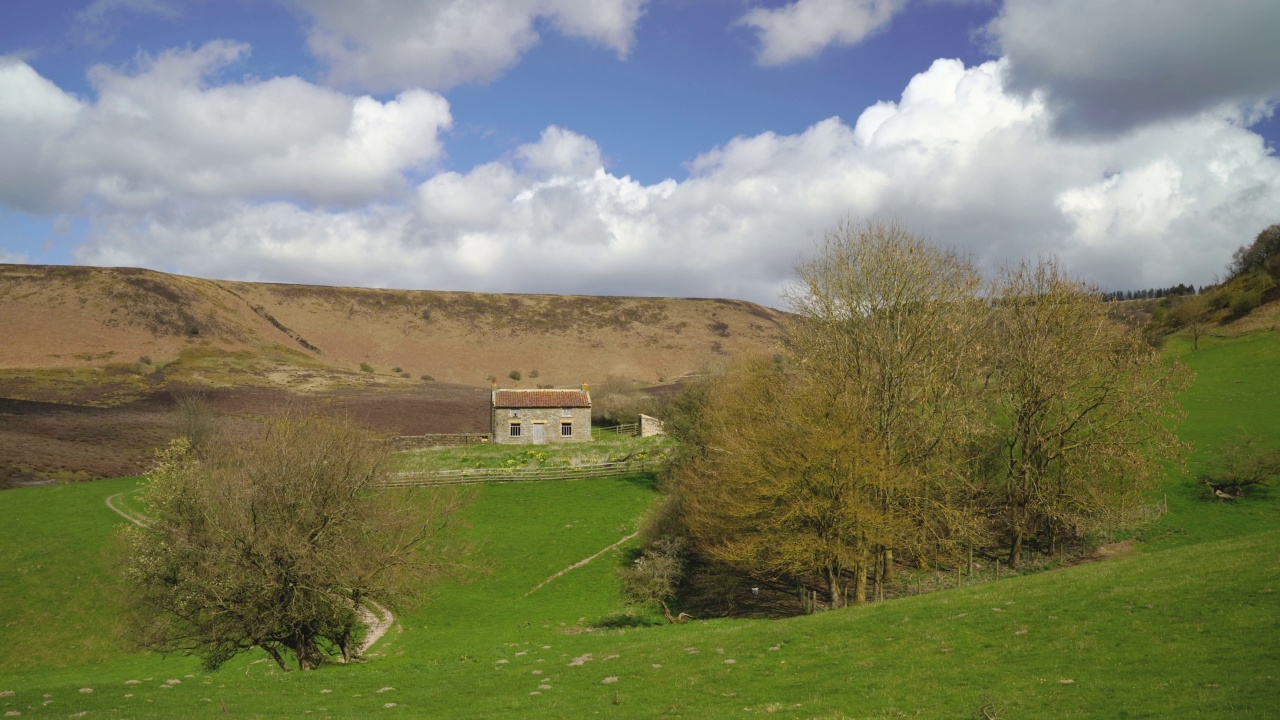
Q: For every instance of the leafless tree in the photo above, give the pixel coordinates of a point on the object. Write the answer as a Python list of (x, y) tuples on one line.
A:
[(1084, 410)]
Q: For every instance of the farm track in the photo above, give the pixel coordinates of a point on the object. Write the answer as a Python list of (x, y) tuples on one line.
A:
[(580, 563)]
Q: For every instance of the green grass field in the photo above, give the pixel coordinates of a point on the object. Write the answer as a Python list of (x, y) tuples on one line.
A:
[(603, 449), (1189, 627)]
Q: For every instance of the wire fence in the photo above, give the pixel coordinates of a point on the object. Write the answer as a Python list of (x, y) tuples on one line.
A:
[(421, 478)]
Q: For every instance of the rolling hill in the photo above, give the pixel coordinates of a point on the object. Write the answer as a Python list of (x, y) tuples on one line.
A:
[(304, 337), (89, 357)]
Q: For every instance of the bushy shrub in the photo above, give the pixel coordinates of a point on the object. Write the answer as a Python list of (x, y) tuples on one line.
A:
[(533, 374), (1243, 302), (366, 367), (428, 378), (617, 400), (655, 575), (514, 375), (145, 359), (397, 369)]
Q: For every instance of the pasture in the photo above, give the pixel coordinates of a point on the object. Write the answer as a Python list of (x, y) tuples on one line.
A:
[(1187, 627)]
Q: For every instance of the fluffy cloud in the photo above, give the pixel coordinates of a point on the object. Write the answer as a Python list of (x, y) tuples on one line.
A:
[(1109, 65), (97, 22), (957, 158), (385, 45), (803, 28), (164, 132)]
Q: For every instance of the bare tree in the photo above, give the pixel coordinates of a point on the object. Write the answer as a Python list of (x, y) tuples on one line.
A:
[(790, 484), (193, 418), (276, 541), (895, 324), (1084, 410)]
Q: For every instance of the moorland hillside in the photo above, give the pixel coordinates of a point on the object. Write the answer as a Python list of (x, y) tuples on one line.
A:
[(91, 357), (117, 320)]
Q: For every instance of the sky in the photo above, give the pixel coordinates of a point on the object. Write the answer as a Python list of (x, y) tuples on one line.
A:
[(694, 148)]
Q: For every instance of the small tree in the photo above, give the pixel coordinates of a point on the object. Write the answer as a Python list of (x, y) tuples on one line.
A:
[(1191, 314), (1243, 463), (275, 542), (193, 418), (514, 375), (655, 575)]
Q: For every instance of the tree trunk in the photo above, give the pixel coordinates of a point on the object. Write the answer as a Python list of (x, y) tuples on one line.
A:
[(888, 566), (1015, 552), (305, 649), (667, 611), (275, 655), (860, 585), (835, 587)]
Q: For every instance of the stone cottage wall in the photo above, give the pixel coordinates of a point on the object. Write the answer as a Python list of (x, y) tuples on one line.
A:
[(552, 417)]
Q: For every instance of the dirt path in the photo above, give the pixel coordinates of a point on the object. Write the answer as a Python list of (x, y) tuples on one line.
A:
[(136, 519), (376, 623), (580, 563), (376, 626)]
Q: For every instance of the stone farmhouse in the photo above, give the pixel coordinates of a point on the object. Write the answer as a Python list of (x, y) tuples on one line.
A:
[(537, 417)]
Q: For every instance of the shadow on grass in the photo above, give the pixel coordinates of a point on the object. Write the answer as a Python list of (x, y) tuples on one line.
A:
[(645, 480), (625, 620)]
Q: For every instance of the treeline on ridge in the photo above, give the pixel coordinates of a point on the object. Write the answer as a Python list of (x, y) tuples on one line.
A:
[(918, 415)]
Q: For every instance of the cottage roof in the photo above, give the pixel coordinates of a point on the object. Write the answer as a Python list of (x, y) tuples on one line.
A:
[(541, 399)]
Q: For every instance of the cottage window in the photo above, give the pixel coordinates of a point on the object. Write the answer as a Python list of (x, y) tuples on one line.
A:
[(515, 429), (566, 429)]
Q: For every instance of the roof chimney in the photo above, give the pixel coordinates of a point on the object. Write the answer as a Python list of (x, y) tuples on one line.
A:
[(586, 387)]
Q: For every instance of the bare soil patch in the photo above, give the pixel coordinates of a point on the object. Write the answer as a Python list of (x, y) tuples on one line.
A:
[(61, 441)]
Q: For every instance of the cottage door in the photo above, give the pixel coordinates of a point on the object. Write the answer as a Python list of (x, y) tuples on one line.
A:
[(539, 434)]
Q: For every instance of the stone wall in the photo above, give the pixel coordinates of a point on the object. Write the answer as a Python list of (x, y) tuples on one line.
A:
[(650, 426), (550, 419)]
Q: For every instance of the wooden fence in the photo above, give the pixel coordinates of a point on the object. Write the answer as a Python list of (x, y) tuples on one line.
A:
[(629, 429), (421, 478)]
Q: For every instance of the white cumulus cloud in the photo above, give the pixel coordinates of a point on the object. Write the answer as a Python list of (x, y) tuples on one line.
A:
[(801, 29), (386, 45), (166, 131), (957, 158)]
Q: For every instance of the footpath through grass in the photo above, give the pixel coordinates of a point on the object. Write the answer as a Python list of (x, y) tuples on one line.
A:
[(1188, 632)]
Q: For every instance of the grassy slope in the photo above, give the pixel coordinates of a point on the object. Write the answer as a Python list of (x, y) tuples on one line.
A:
[(604, 448), (1236, 388), (1186, 632)]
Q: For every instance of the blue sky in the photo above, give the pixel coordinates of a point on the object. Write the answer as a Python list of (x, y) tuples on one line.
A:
[(651, 147)]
